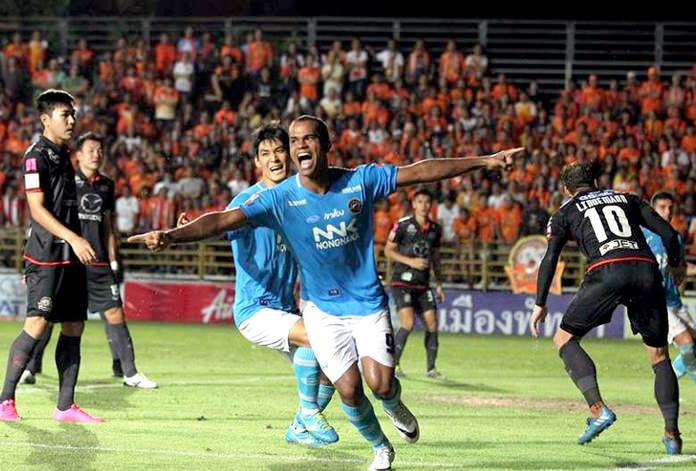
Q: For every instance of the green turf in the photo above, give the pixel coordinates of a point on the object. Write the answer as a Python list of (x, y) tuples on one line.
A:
[(224, 404)]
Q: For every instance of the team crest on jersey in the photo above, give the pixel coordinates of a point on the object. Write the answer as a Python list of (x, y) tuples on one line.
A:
[(312, 219), (79, 182), (523, 265), (355, 206), (411, 229), (45, 304)]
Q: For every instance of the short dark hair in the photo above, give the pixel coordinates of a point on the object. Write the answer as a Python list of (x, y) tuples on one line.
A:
[(578, 175), (88, 136), (269, 132), (661, 195), (47, 101), (422, 191), (322, 129)]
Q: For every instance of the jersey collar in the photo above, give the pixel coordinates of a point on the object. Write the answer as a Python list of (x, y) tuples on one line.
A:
[(52, 145)]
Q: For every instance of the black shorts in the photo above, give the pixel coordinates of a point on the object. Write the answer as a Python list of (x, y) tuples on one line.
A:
[(421, 300), (56, 293), (102, 289), (636, 285)]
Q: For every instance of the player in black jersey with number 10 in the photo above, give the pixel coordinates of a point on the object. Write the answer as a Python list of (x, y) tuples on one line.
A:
[(413, 245), (621, 270)]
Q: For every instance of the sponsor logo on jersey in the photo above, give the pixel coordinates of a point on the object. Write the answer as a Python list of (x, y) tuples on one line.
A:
[(523, 265), (617, 244), (333, 214), (91, 203), (296, 203), (355, 206), (352, 189), (30, 165), (335, 236)]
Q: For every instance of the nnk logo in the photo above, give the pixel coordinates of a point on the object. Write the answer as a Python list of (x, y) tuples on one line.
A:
[(334, 236), (335, 213)]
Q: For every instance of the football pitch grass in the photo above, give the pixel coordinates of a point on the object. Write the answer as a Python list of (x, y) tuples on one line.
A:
[(225, 404)]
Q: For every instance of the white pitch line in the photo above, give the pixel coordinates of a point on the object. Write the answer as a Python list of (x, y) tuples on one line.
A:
[(655, 464), (217, 454)]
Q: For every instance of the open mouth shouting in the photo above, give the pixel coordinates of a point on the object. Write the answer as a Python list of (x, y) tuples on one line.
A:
[(304, 159)]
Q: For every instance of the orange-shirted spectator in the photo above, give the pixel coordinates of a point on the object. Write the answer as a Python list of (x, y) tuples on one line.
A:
[(106, 67), (131, 82), (509, 220), (451, 63), (373, 111), (502, 87), (464, 225), (398, 205), (17, 49), (382, 221), (351, 107), (486, 221), (351, 137), (225, 114), (228, 48), (651, 93), (418, 63), (674, 121), (592, 94), (309, 77), (260, 53), (629, 152), (165, 100), (83, 56), (165, 54), (379, 88), (525, 109), (688, 142), (37, 50), (204, 127), (652, 127)]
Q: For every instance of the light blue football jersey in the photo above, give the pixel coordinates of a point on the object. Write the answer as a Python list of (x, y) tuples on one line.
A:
[(265, 270), (330, 235), (658, 249)]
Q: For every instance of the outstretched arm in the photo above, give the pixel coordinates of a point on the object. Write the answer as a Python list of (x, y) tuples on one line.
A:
[(206, 226), (427, 171)]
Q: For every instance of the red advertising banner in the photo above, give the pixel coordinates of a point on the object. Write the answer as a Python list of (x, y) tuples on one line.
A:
[(179, 301)]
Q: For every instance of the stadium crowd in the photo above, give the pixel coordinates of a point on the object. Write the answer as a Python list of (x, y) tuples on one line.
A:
[(179, 115)]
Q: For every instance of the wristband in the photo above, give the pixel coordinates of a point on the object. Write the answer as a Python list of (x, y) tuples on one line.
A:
[(114, 265)]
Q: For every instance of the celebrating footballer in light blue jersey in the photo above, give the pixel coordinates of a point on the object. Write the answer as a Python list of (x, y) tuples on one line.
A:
[(265, 272), (681, 324), (332, 235), (264, 306), (325, 216)]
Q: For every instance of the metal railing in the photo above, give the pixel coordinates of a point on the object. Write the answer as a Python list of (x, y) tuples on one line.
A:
[(550, 52), (472, 264)]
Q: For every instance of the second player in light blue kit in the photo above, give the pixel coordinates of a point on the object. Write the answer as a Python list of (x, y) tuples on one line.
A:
[(681, 324), (325, 216)]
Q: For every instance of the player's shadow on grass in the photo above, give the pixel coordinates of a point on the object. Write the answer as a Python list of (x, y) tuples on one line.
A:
[(73, 446), (453, 384), (100, 393)]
